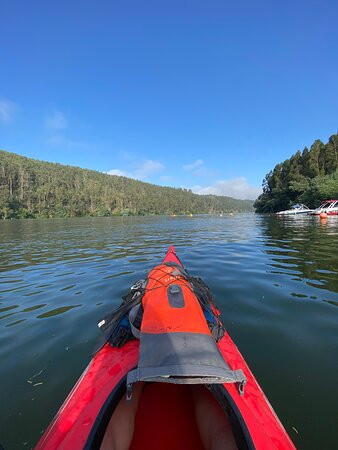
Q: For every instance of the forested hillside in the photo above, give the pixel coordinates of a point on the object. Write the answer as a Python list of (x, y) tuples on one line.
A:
[(308, 177), (30, 188)]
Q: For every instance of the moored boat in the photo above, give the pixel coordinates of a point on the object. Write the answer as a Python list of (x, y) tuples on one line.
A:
[(330, 207), (168, 377), (297, 209)]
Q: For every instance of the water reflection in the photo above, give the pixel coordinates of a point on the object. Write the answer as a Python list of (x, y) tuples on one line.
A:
[(301, 246), (275, 282), (56, 311)]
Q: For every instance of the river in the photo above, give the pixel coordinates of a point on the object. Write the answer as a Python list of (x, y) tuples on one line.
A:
[(275, 281)]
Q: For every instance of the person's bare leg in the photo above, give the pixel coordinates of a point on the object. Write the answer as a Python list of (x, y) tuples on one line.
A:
[(120, 430), (212, 421)]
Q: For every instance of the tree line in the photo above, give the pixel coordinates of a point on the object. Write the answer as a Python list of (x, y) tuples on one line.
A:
[(308, 177), (33, 189)]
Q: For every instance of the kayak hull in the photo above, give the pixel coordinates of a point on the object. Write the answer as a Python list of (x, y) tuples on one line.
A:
[(82, 419)]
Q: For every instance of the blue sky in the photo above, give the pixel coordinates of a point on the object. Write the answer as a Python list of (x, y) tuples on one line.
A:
[(208, 95)]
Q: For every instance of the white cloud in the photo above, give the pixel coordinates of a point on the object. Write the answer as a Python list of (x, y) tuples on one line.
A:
[(56, 121), (198, 169), (147, 168), (118, 172), (142, 171), (56, 124), (166, 178), (235, 187), (61, 141), (7, 109), (193, 166)]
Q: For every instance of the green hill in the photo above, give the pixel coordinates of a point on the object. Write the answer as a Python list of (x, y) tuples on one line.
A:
[(31, 188), (308, 177)]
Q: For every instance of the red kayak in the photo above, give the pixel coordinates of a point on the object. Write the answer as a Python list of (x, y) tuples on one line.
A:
[(168, 377)]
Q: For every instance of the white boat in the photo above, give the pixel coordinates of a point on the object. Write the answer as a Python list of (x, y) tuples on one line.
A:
[(330, 207), (296, 209)]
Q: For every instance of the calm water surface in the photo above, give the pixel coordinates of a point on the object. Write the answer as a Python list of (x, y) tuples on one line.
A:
[(275, 281)]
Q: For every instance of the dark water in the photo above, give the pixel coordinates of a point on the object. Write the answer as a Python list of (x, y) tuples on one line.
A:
[(274, 280)]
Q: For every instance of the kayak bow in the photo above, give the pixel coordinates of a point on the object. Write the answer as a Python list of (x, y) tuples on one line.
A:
[(168, 377)]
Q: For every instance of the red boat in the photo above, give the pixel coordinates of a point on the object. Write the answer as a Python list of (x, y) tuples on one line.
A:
[(330, 207), (168, 377)]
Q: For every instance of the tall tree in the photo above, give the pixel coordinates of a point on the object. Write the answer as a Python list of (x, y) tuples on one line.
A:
[(303, 177), (30, 188)]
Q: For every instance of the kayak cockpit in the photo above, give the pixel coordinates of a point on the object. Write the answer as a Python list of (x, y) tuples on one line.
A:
[(167, 417)]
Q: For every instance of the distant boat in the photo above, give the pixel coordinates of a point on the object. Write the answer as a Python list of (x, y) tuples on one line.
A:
[(330, 207), (296, 209)]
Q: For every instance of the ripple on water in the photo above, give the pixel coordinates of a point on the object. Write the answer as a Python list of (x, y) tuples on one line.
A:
[(275, 282), (57, 311)]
